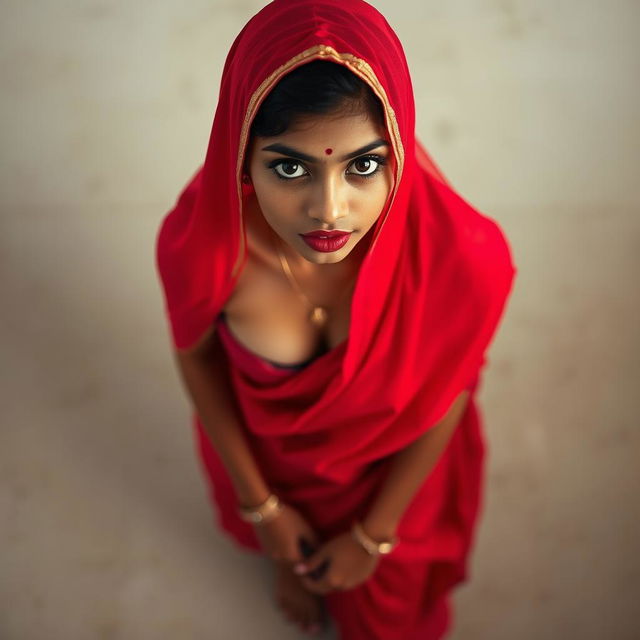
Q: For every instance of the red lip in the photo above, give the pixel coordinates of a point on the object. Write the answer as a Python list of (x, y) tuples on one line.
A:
[(326, 241), (325, 234)]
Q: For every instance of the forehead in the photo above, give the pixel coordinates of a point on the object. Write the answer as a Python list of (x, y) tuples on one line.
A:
[(335, 131)]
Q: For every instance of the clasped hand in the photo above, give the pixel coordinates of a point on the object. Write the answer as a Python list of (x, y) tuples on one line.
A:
[(346, 564)]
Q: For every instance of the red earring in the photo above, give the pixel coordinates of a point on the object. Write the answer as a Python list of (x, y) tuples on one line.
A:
[(246, 179)]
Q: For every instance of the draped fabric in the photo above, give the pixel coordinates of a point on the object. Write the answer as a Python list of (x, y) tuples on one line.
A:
[(427, 302)]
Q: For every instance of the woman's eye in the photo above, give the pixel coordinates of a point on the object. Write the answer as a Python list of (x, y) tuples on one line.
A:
[(365, 166), (289, 169)]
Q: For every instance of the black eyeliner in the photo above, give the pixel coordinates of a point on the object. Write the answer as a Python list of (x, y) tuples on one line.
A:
[(380, 160), (278, 161)]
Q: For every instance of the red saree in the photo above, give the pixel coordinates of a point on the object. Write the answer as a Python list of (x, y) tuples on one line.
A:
[(427, 302)]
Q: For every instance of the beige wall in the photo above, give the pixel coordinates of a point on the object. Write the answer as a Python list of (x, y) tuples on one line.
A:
[(530, 108)]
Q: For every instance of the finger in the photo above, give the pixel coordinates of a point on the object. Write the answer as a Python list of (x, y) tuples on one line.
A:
[(314, 576), (320, 571), (323, 587), (315, 567), (307, 548), (299, 553), (319, 588)]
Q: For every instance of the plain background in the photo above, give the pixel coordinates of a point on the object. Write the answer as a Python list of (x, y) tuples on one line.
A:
[(530, 108)]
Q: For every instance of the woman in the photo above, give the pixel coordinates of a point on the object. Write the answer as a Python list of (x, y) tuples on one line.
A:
[(331, 301)]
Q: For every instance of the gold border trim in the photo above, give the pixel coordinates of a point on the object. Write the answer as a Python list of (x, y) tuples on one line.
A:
[(358, 66)]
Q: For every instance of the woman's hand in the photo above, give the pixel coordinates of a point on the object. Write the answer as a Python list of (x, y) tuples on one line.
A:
[(285, 537), (347, 565)]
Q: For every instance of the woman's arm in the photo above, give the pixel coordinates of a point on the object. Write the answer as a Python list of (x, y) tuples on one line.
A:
[(206, 380), (409, 468)]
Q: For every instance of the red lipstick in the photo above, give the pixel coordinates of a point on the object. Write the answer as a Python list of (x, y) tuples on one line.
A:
[(326, 241)]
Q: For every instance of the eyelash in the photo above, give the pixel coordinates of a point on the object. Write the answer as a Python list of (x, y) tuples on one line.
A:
[(380, 160)]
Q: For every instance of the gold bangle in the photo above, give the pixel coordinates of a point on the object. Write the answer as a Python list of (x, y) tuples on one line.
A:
[(371, 546), (268, 510)]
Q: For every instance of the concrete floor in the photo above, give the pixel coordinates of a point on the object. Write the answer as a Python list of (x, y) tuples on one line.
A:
[(106, 531)]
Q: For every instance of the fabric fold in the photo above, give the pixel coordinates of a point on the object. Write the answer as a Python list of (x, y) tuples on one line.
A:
[(428, 300)]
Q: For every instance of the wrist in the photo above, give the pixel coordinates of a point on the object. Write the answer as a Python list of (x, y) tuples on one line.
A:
[(261, 513), (253, 500), (373, 546), (379, 529)]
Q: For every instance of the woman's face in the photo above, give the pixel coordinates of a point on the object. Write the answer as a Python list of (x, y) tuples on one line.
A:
[(325, 173)]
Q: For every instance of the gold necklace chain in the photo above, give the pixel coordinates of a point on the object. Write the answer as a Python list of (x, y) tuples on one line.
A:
[(319, 314)]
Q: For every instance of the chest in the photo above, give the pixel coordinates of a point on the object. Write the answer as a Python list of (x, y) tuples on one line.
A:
[(270, 318)]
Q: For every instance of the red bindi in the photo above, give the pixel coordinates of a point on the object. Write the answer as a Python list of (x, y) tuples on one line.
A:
[(328, 151)]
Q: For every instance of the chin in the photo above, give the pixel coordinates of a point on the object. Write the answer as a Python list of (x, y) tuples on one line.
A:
[(318, 257)]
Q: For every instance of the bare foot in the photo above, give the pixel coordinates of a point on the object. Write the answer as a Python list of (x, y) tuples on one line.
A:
[(299, 605)]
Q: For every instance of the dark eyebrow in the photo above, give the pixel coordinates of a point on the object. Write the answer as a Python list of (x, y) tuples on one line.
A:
[(367, 147), (298, 155), (289, 151)]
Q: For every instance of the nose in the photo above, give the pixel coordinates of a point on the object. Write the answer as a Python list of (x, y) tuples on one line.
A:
[(328, 201)]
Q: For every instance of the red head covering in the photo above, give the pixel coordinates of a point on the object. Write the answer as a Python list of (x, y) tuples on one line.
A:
[(429, 294)]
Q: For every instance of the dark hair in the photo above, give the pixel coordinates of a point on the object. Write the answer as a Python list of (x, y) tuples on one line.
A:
[(318, 87)]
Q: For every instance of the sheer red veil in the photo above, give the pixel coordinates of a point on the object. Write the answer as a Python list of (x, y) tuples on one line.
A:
[(428, 299)]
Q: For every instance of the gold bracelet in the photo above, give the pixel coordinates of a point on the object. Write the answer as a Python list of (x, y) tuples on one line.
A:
[(371, 546), (268, 510)]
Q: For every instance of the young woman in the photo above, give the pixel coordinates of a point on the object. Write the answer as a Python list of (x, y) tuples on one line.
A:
[(331, 300)]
